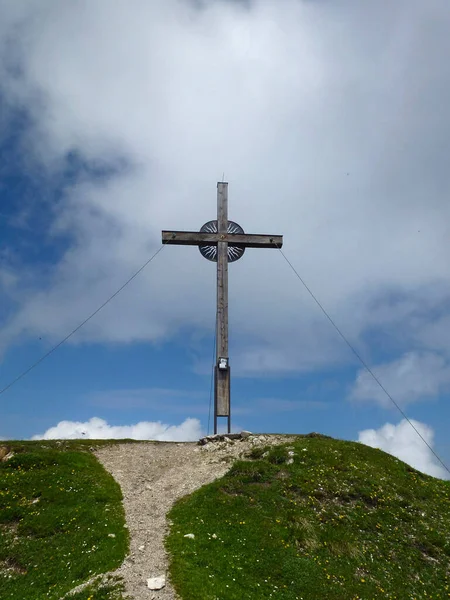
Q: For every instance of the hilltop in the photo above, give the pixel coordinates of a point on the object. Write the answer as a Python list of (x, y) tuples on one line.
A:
[(315, 518), (298, 517)]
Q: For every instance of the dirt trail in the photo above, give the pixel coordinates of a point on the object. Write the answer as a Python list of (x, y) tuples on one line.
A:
[(152, 477)]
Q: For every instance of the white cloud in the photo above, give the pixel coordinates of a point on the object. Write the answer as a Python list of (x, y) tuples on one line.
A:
[(98, 429), (414, 377), (328, 119), (403, 442)]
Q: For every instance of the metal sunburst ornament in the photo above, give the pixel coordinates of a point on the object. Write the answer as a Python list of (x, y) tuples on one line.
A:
[(210, 252)]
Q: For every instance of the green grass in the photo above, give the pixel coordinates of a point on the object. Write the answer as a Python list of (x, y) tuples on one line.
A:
[(112, 589), (61, 522), (342, 522)]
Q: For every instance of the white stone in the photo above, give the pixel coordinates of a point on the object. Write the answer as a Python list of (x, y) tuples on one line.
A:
[(245, 434), (191, 536), (156, 583)]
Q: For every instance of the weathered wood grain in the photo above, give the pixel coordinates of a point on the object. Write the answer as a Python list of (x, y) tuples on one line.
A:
[(222, 377), (245, 240)]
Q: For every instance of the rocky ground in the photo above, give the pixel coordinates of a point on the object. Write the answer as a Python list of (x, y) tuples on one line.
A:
[(153, 475)]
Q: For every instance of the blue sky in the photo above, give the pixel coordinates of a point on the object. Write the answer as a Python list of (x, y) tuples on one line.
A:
[(331, 123)]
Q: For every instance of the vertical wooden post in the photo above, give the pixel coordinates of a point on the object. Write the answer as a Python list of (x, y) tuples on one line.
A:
[(222, 376)]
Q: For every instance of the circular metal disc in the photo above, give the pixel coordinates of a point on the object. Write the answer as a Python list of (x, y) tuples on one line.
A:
[(210, 252)]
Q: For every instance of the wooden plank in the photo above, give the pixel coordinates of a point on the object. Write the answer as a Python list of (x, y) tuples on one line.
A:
[(222, 403), (222, 271), (222, 394), (246, 240)]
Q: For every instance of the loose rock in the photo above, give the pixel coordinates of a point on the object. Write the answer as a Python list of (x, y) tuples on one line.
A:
[(5, 454), (156, 583)]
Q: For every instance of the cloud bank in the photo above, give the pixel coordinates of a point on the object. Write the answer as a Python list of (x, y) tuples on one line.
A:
[(329, 120), (403, 442), (98, 429), (412, 378)]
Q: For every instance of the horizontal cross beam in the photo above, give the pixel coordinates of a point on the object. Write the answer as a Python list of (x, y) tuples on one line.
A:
[(242, 240)]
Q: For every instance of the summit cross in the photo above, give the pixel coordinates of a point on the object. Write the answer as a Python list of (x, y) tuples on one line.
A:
[(222, 241)]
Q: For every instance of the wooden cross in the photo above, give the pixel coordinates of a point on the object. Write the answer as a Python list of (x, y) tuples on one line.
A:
[(222, 241)]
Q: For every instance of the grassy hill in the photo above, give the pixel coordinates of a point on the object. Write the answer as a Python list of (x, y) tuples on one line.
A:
[(314, 519), (318, 518), (61, 522)]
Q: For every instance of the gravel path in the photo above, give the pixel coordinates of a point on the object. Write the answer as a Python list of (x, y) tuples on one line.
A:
[(152, 477)]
